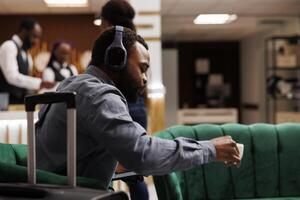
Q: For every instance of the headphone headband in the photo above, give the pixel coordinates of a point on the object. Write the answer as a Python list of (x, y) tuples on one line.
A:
[(120, 28)]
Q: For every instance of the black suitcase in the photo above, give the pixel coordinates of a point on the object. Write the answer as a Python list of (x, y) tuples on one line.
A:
[(31, 190)]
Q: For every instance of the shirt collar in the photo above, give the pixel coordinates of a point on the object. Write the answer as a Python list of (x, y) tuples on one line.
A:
[(18, 40), (100, 74), (58, 66)]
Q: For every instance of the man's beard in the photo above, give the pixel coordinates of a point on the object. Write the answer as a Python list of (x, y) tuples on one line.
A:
[(126, 85), (131, 93)]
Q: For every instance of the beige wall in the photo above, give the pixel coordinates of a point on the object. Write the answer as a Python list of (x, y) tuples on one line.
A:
[(170, 80)]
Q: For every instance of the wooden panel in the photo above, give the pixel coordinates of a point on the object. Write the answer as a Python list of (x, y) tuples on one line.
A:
[(78, 29), (147, 13)]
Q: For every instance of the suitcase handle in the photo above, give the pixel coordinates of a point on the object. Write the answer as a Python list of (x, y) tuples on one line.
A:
[(48, 98)]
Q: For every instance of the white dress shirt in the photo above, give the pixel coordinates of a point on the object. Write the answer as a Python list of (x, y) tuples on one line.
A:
[(9, 65), (48, 73)]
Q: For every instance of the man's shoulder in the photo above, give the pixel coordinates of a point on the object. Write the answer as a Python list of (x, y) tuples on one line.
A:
[(8, 45), (87, 85), (92, 93)]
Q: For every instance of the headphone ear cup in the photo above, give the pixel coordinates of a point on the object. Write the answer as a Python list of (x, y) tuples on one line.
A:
[(116, 58), (116, 54)]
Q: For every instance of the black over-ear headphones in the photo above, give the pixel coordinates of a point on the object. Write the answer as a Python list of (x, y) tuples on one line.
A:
[(116, 54)]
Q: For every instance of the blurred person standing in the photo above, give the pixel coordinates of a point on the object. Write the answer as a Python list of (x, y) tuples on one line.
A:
[(58, 67), (16, 63), (120, 12), (117, 12)]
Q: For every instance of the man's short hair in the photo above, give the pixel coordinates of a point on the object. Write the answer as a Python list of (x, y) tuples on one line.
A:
[(107, 37), (119, 12), (27, 24)]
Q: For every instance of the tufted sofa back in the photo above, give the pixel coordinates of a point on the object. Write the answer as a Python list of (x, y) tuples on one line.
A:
[(270, 166)]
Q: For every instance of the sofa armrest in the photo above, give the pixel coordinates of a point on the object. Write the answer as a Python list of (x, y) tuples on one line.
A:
[(168, 187)]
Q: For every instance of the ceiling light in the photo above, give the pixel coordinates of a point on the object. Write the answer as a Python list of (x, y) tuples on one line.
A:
[(97, 22), (66, 3), (214, 19)]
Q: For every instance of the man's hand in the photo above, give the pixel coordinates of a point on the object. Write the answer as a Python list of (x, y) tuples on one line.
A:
[(227, 150), (47, 85)]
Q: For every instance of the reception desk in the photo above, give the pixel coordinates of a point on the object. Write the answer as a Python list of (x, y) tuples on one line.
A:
[(13, 127)]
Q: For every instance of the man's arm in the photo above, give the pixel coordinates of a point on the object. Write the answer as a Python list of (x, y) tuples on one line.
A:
[(127, 141), (10, 69)]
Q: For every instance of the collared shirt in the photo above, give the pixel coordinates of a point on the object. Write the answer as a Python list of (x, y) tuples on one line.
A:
[(106, 134), (9, 65), (49, 75)]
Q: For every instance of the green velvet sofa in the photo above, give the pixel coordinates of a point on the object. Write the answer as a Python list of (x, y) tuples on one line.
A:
[(13, 161), (270, 167)]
